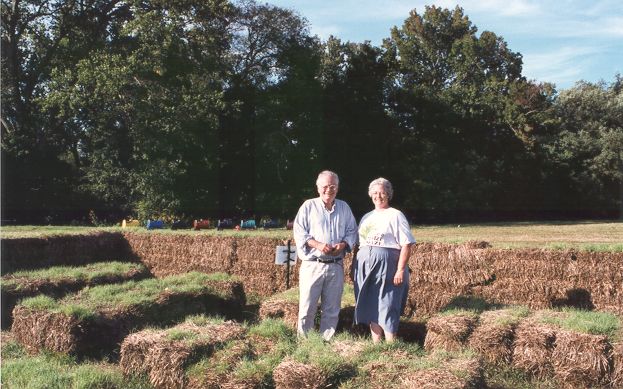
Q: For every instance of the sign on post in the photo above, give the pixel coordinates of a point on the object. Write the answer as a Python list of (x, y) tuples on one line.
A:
[(286, 255), (282, 257)]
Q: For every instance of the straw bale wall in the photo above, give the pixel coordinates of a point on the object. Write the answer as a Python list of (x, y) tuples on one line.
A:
[(574, 359), (581, 360), (101, 333), (290, 374), (436, 370), (494, 336), (72, 250), (163, 360), (439, 272), (450, 332), (552, 278), (26, 287), (617, 365)]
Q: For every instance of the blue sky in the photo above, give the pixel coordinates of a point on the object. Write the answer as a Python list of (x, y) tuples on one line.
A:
[(562, 41)]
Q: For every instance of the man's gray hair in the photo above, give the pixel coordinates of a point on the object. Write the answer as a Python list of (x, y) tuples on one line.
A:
[(330, 174), (386, 185)]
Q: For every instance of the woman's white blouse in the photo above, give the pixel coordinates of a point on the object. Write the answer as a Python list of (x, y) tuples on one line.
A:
[(385, 228)]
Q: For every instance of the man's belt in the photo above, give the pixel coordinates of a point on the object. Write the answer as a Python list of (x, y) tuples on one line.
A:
[(325, 260)]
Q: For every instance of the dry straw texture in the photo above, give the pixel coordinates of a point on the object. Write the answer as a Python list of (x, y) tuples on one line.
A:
[(581, 360), (280, 309), (459, 373), (617, 365), (174, 254), (40, 329), (215, 378), (533, 347), (441, 272), (449, 332), (536, 278), (164, 359), (438, 370), (493, 338), (290, 374), (73, 250), (15, 288), (104, 328), (549, 278), (249, 258)]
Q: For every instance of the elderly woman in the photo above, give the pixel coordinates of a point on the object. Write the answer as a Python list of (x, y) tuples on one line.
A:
[(381, 274)]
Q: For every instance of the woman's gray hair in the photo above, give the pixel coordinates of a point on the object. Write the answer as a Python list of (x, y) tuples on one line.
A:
[(330, 174), (386, 185)]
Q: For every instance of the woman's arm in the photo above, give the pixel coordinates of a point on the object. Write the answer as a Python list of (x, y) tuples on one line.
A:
[(405, 251), (353, 264)]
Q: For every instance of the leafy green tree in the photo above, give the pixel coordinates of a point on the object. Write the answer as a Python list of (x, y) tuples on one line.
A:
[(39, 152), (451, 97), (147, 106), (288, 123), (265, 40), (586, 148), (358, 135)]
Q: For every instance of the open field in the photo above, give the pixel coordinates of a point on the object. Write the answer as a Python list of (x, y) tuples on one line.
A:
[(585, 235), (581, 235), (446, 282)]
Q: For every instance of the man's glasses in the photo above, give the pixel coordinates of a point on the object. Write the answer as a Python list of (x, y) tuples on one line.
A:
[(327, 187)]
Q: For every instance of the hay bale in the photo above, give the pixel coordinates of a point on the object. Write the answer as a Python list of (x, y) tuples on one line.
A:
[(455, 373), (449, 332), (280, 309), (290, 374), (617, 365), (494, 336), (254, 263), (541, 278), (427, 299), (348, 349), (399, 369), (18, 286), (452, 265), (99, 331), (533, 347), (212, 376), (432, 379), (70, 250), (581, 360), (168, 254), (135, 349), (40, 329), (164, 358), (536, 292)]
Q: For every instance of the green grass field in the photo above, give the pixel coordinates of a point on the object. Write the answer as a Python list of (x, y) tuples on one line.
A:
[(581, 235)]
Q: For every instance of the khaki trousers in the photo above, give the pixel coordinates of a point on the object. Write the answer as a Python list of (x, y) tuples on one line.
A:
[(324, 281)]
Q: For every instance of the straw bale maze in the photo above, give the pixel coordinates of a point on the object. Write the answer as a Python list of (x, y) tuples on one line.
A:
[(199, 311)]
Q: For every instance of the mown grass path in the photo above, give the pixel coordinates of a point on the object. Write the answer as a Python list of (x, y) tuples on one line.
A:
[(582, 235)]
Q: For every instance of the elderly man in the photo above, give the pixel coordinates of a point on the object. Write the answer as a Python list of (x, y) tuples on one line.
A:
[(324, 230)]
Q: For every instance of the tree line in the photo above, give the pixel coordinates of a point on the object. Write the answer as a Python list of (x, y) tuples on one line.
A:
[(217, 108)]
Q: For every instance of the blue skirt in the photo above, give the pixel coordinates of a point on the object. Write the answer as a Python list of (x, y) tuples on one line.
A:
[(377, 299)]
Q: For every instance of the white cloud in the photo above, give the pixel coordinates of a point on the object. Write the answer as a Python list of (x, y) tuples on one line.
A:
[(561, 41), (562, 66), (325, 30), (613, 26), (508, 8)]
